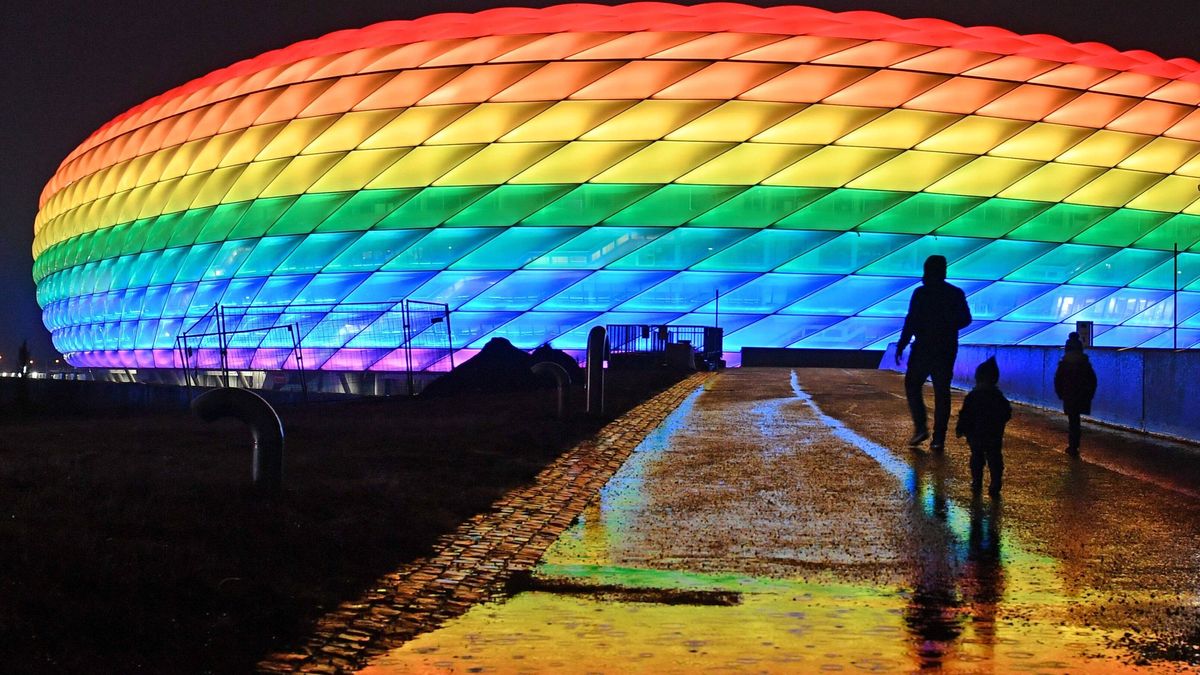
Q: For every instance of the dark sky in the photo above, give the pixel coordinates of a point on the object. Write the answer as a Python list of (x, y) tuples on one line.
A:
[(69, 67)]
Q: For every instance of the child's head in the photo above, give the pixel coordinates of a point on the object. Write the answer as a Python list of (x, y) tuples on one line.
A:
[(988, 373)]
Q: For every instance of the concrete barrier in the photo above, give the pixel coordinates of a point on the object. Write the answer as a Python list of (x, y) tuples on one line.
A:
[(1152, 390)]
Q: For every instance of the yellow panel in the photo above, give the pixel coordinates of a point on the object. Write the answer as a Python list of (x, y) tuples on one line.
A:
[(734, 121), (984, 177), (250, 143), (1052, 182), (662, 162), (157, 198), (818, 125), (183, 157), (357, 169), (414, 126), (302, 172), (649, 120), (1163, 155), (1115, 188), (912, 171), (212, 150), (566, 120), (256, 177), (295, 136), (351, 130), (1172, 193), (1194, 209), (973, 135), (112, 178), (899, 129), (1191, 168), (217, 185), (748, 163), (1041, 141), (1104, 148), (832, 166), (129, 174), (153, 170), (186, 192), (497, 163), (486, 123), (578, 161), (133, 204), (423, 165)]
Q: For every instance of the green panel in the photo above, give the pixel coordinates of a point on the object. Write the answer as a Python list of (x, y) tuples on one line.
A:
[(1063, 263), (998, 258), (116, 240), (1162, 277), (308, 212), (432, 206), (843, 209), (78, 255), (1182, 230), (185, 231), (136, 239), (98, 244), (259, 218), (993, 218), (759, 206), (267, 255), (508, 204), (1122, 267), (910, 260), (197, 261), (921, 214), (764, 251), (847, 253), (1060, 222), (1122, 228), (589, 204), (316, 251), (673, 205), (222, 221), (160, 231), (365, 209)]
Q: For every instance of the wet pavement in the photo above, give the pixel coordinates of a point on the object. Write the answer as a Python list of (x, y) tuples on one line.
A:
[(775, 522)]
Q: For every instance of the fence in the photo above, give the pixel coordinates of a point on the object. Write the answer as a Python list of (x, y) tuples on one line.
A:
[(653, 339)]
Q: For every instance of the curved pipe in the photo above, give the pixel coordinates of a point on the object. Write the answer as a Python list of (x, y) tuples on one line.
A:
[(561, 378), (597, 351), (265, 428)]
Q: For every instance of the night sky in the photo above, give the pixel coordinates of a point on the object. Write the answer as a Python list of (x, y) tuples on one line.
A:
[(69, 67)]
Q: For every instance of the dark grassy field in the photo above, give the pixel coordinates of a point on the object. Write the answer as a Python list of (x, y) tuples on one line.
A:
[(133, 543)]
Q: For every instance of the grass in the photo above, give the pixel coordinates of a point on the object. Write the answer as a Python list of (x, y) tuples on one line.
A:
[(133, 542)]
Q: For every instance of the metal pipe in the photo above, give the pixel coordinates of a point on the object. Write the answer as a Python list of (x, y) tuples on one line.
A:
[(561, 378), (265, 429), (597, 350)]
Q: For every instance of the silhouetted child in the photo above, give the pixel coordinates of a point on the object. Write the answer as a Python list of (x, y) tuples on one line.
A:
[(984, 413), (1075, 384)]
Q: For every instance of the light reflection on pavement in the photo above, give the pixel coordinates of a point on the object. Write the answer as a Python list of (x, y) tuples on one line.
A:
[(776, 523)]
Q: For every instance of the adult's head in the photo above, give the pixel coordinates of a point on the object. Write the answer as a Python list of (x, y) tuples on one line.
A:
[(1074, 344), (935, 269)]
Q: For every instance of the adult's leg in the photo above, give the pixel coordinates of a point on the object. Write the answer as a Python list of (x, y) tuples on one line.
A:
[(942, 371), (914, 384), (1074, 431)]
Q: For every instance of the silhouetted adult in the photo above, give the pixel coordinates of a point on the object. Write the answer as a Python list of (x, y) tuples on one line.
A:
[(936, 313)]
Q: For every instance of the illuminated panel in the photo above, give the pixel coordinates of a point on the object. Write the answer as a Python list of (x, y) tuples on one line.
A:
[(544, 170)]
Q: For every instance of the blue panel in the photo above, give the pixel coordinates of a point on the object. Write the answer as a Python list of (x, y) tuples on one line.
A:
[(146, 330), (849, 296), (777, 330), (1056, 335), (1172, 274), (1003, 297), (229, 258), (849, 252), (897, 304), (576, 338), (686, 291), (680, 248), (532, 329), (168, 329), (330, 288), (267, 255), (857, 332), (1121, 306), (1128, 336), (603, 290), (316, 251), (597, 247), (441, 247), (242, 291), (143, 268), (386, 331), (769, 293), (730, 322), (1064, 262), (764, 251), (388, 287), (467, 327), (515, 247), (208, 294), (1003, 333), (156, 298), (281, 290), (997, 259), (524, 289), (196, 262), (374, 249), (910, 260), (455, 288), (1060, 303), (1174, 339), (1122, 267), (132, 307)]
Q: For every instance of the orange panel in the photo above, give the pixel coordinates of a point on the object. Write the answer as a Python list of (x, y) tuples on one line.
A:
[(187, 122), (208, 121), (1179, 91), (636, 45), (556, 81), (415, 54), (353, 63), (1074, 76), (800, 49), (723, 80), (1091, 110), (638, 79), (408, 87), (293, 99), (948, 60), (1131, 84), (1189, 128), (346, 93), (479, 83), (481, 50), (248, 110), (806, 84), (875, 54), (1028, 102), (555, 47), (886, 88), (1015, 68), (960, 95), (718, 46), (1150, 117)]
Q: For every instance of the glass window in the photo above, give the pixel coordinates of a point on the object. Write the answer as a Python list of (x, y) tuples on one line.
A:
[(604, 290)]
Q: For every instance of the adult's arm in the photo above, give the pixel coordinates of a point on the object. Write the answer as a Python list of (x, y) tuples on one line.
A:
[(962, 313)]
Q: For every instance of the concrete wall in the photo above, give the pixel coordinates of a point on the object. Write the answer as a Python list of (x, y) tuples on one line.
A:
[(1155, 390)]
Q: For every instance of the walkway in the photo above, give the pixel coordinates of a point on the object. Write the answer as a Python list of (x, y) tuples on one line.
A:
[(775, 522)]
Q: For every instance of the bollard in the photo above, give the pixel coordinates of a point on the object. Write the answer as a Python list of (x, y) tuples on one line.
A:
[(561, 378), (597, 351), (265, 428)]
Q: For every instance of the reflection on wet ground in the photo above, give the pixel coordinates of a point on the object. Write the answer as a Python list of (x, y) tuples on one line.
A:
[(777, 523)]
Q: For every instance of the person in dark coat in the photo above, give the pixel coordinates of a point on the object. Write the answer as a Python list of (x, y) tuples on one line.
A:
[(1075, 384), (985, 412), (936, 312)]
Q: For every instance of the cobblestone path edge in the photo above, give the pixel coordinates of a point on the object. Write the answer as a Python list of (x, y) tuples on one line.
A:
[(473, 563)]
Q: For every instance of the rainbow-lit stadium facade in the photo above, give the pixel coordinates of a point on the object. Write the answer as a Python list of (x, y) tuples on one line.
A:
[(543, 171)]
